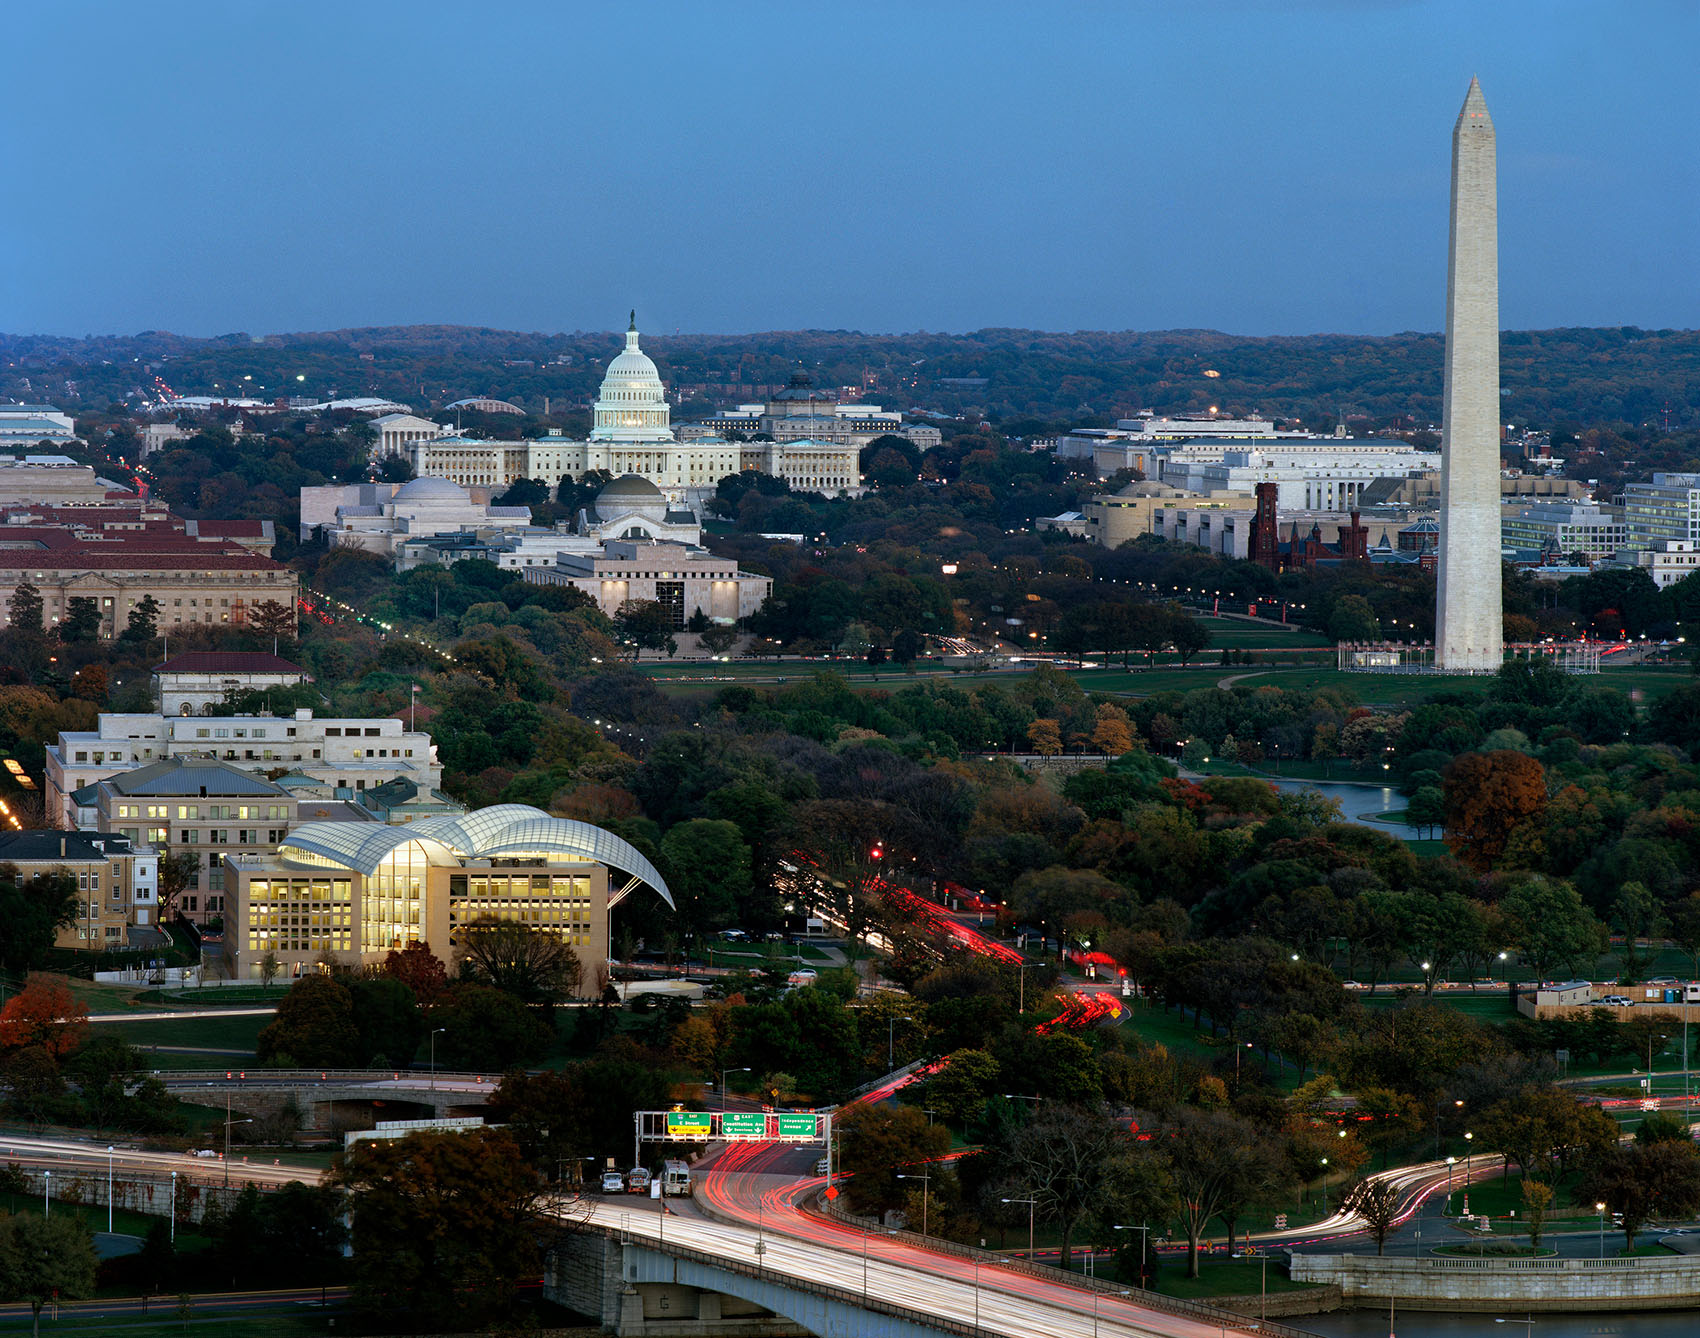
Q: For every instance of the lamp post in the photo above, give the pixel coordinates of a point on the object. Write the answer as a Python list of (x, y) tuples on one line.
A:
[(1144, 1235), (174, 1207), (1096, 1297), (1032, 1205), (1021, 972), (228, 1122), (109, 1189), (47, 1194), (1600, 1208), (723, 1073), (890, 1032), (434, 1033), (1528, 1322), (926, 1179), (1450, 1163), (1325, 1186)]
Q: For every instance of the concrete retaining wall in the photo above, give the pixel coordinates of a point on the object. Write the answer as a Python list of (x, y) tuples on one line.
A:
[(1492, 1284)]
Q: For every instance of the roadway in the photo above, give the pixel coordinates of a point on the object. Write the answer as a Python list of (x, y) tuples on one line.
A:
[(814, 1251)]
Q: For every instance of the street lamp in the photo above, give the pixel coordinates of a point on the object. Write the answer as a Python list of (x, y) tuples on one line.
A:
[(1600, 1208), (1469, 1149), (1529, 1321), (227, 1123), (890, 1031), (1032, 1205), (1325, 1186), (926, 1179), (109, 1189), (47, 1193), (174, 1207), (434, 1034), (1450, 1163), (723, 1073), (1096, 1297), (1144, 1235)]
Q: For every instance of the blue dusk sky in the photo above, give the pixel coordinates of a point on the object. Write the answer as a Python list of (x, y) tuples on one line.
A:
[(1253, 166)]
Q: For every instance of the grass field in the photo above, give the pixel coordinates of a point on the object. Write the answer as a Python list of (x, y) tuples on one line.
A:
[(198, 1033), (1233, 634)]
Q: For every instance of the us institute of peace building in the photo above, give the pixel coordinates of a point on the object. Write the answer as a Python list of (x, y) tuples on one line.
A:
[(360, 890)]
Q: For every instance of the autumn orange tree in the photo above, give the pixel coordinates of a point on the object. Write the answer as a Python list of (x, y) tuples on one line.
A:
[(44, 1013), (1488, 796)]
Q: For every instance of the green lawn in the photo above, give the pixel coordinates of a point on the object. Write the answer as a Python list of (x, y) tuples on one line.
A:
[(1233, 634), (192, 1032), (1224, 1277)]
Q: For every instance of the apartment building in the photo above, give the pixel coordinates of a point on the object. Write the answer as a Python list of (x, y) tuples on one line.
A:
[(117, 884)]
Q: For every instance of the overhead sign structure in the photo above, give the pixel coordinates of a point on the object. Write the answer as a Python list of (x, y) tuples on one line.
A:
[(798, 1128), (743, 1125), (691, 1126)]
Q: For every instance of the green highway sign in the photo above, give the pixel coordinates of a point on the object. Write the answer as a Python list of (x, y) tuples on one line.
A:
[(689, 1125), (743, 1124), (797, 1126)]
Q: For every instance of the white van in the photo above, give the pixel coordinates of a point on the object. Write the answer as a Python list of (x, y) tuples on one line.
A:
[(675, 1179)]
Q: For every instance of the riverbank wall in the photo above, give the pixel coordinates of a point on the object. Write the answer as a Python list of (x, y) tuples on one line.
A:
[(1563, 1285)]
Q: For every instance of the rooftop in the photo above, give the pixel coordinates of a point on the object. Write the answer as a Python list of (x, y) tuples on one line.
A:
[(229, 662)]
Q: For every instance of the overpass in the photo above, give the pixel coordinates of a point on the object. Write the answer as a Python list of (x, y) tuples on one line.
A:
[(322, 1094), (643, 1272)]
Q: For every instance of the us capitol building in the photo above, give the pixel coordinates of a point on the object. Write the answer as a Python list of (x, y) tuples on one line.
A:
[(633, 435)]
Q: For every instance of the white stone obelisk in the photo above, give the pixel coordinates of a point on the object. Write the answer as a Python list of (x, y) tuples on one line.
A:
[(1468, 636)]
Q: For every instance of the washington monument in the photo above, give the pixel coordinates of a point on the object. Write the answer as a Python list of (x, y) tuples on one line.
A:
[(1468, 637)]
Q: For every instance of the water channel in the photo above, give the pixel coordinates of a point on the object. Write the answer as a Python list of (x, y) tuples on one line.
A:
[(1435, 1324)]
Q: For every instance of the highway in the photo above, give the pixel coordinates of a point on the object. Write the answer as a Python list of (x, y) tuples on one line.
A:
[(64, 1154), (880, 1267)]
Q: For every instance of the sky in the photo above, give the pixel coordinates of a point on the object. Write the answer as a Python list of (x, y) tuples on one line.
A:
[(1252, 166)]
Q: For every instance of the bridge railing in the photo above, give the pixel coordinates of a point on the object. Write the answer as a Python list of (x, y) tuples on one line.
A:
[(263, 1076), (854, 1299), (1226, 1320)]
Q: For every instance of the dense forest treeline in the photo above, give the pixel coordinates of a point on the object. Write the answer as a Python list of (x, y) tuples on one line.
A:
[(1624, 374)]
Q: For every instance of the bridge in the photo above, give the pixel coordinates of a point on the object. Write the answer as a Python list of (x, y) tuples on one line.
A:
[(641, 1272), (321, 1094)]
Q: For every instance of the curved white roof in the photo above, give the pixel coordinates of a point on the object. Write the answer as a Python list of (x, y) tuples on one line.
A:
[(429, 487), (505, 829)]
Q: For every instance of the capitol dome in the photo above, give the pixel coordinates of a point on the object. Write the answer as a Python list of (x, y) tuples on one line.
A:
[(632, 405)]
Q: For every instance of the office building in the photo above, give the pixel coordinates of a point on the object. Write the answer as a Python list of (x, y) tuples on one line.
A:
[(685, 581), (350, 756), (199, 682), (200, 809), (117, 883), (1667, 510), (360, 892)]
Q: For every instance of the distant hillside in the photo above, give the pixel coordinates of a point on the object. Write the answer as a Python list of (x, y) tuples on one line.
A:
[(1575, 375)]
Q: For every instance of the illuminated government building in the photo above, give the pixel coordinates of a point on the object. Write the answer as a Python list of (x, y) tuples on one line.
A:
[(632, 433), (358, 890)]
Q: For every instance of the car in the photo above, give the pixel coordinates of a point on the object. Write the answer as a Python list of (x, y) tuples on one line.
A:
[(613, 1182), (734, 935), (637, 1181)]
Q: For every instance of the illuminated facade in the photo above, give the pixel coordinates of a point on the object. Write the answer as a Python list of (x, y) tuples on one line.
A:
[(356, 891)]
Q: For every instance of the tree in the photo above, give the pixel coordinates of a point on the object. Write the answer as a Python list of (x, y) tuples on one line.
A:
[(484, 1028), (1353, 619), (1073, 1161), (387, 1019), (1207, 1153), (1635, 912), (81, 621), (1113, 733), (648, 623), (906, 647), (44, 1013), (1045, 737), (444, 1226), (1488, 796), (273, 618), (708, 869), (269, 967), (314, 1027), (718, 640), (1645, 1181), (45, 1259), (420, 969), (177, 873), (535, 966), (1426, 809), (24, 610), (1377, 1202), (877, 1142), (1537, 1199), (32, 912), (141, 624), (1550, 926)]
